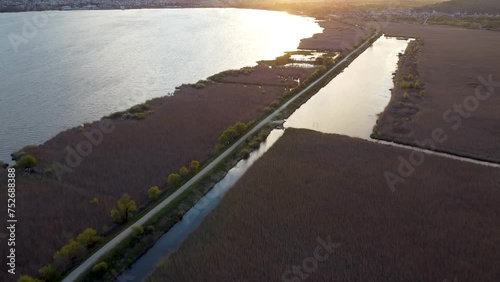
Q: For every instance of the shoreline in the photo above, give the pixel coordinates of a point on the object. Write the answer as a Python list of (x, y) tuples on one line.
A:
[(118, 9), (86, 121)]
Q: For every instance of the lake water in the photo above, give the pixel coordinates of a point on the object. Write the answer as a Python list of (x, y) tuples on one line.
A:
[(348, 105), (61, 69)]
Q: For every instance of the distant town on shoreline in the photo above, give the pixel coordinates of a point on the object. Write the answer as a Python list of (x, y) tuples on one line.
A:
[(455, 7)]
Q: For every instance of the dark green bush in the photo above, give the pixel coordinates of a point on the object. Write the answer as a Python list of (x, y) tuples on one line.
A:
[(141, 108), (100, 268), (138, 116), (26, 161), (174, 179)]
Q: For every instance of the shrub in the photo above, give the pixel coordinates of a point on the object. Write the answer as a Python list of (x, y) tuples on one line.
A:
[(408, 77), (137, 230), (174, 179), (406, 95), (406, 84), (50, 172), (315, 75), (183, 171), (417, 84), (94, 201), (115, 115), (49, 273), (126, 206), (240, 127), (138, 116), (227, 136), (254, 144), (327, 61), (27, 278), (194, 167), (231, 134), (88, 237), (245, 153), (100, 268), (141, 108), (246, 70), (200, 85), (282, 60), (154, 192), (26, 161), (421, 93), (69, 251)]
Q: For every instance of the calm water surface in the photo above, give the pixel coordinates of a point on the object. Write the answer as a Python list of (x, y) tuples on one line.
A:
[(78, 66), (350, 103)]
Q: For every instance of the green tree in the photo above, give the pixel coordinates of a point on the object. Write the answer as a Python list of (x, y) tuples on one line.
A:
[(183, 171), (174, 179), (227, 136), (194, 167), (69, 251), (88, 237), (240, 128), (26, 161), (154, 192), (126, 206)]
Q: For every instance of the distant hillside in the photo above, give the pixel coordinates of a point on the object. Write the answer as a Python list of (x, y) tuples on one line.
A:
[(469, 6)]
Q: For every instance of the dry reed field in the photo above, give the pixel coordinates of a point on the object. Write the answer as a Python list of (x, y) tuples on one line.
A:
[(441, 225), (450, 63), (336, 37)]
